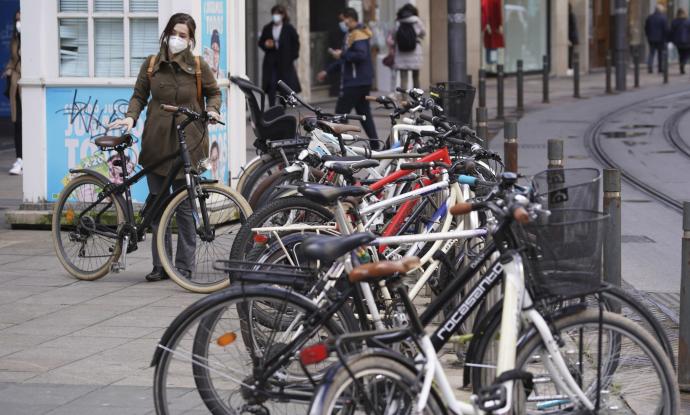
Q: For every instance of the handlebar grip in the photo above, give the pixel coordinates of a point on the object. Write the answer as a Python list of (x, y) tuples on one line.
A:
[(169, 108), (428, 133), (427, 118), (356, 117), (401, 90), (282, 85), (456, 141), (461, 208), (520, 215), (445, 125), (414, 165)]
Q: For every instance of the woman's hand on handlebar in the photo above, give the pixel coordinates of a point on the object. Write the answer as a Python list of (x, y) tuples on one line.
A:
[(213, 117), (321, 76), (125, 123)]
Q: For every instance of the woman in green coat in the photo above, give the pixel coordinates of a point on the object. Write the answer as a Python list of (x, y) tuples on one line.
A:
[(171, 79)]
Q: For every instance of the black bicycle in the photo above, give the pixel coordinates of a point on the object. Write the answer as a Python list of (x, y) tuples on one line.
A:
[(95, 225)]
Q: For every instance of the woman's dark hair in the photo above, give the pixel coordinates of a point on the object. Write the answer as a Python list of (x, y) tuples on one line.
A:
[(280, 9), (178, 18), (351, 13), (406, 11), (215, 37), (15, 33), (680, 13), (214, 145)]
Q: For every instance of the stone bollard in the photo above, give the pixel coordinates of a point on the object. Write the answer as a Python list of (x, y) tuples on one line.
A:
[(576, 75), (612, 240), (499, 91), (555, 153), (510, 145), (520, 86), (545, 79), (684, 330), (483, 126)]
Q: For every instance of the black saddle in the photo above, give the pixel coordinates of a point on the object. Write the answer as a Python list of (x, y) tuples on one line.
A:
[(328, 247), (111, 141), (326, 195)]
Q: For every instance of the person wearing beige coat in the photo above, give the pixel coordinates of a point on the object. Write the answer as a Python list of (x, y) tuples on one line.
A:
[(13, 72)]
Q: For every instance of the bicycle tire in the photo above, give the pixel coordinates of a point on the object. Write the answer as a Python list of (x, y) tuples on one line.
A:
[(379, 365), (184, 334), (248, 169), (114, 250), (270, 188), (225, 202), (670, 401), (259, 173), (244, 243)]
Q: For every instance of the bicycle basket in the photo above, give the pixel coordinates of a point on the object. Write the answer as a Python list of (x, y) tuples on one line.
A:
[(568, 188), (456, 99), (564, 253)]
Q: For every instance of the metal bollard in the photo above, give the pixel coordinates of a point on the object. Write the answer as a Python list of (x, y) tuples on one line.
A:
[(510, 145), (636, 62), (612, 240), (499, 96), (684, 330), (608, 73), (520, 86), (555, 153), (483, 126), (482, 88), (468, 79), (576, 75), (664, 61), (545, 79)]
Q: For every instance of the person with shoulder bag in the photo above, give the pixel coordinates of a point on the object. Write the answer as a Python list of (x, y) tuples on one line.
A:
[(409, 32), (175, 77), (13, 72), (680, 36)]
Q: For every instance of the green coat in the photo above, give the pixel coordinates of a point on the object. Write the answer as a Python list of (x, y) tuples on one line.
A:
[(173, 82)]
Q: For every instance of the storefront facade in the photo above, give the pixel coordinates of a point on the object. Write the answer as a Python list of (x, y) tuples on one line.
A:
[(79, 73)]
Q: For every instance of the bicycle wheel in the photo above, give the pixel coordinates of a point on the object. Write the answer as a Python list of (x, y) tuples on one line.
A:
[(187, 251), (636, 376), (260, 172), (84, 228), (279, 213), (372, 383), (247, 170), (225, 370)]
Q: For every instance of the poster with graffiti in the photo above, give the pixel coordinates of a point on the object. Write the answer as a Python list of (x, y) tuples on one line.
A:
[(74, 118), (214, 40), (218, 141)]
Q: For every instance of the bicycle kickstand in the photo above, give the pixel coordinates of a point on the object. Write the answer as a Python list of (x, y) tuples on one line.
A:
[(121, 264)]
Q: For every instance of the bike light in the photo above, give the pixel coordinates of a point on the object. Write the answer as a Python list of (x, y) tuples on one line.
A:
[(313, 354), (260, 239), (226, 339)]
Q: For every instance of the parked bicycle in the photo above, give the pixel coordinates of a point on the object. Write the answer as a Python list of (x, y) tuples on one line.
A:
[(95, 226)]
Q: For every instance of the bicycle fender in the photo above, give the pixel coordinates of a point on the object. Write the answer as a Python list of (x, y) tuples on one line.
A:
[(91, 173)]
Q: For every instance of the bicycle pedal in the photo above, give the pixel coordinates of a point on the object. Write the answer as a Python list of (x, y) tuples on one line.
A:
[(492, 398)]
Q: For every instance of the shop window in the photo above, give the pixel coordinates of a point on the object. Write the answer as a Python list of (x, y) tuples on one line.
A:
[(106, 38)]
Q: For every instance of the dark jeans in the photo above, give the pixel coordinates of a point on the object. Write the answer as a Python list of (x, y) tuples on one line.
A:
[(656, 48), (355, 97), (18, 128), (186, 234), (683, 54)]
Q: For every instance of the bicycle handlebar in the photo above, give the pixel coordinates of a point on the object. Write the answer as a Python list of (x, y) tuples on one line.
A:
[(189, 113)]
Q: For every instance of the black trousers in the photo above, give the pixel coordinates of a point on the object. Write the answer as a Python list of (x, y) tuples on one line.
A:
[(18, 128), (683, 54), (355, 98), (656, 48)]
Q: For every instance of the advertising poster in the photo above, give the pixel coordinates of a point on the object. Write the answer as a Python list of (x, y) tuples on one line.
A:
[(7, 10), (74, 118), (214, 41)]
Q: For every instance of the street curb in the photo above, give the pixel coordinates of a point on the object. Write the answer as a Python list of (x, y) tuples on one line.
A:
[(29, 218)]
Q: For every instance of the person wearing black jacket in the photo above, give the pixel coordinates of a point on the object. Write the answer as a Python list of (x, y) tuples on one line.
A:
[(656, 30), (280, 42), (680, 36), (573, 38)]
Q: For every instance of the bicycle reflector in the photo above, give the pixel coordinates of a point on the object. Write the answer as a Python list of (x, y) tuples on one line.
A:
[(313, 354), (226, 339), (260, 239)]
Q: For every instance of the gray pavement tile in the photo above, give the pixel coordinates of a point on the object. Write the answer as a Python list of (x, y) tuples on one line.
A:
[(77, 409), (138, 319), (15, 377), (48, 279), (118, 298), (42, 358), (42, 328), (118, 396), (76, 293), (24, 408), (40, 394), (18, 293), (127, 332), (17, 313)]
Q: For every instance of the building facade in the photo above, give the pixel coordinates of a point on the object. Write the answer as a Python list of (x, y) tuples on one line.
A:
[(80, 59)]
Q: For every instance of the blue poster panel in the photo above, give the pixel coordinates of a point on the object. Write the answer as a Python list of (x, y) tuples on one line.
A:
[(7, 10)]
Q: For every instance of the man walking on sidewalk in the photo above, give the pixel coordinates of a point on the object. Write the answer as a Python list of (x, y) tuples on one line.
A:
[(357, 72), (656, 30)]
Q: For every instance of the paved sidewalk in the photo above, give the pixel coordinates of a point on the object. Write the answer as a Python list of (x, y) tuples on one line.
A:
[(71, 347)]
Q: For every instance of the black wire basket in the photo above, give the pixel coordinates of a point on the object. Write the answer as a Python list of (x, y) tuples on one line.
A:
[(564, 253), (456, 99), (568, 188)]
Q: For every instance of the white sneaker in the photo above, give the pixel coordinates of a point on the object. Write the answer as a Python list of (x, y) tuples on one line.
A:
[(17, 167), (569, 72)]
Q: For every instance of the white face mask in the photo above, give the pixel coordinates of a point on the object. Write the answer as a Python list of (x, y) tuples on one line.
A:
[(343, 26), (19, 26), (176, 44), (277, 18)]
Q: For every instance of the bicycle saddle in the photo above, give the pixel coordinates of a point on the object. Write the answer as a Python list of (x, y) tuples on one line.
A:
[(111, 141), (328, 247), (349, 167), (339, 128), (375, 270), (326, 195)]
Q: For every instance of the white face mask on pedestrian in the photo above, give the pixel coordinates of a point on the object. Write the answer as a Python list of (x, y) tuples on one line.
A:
[(19, 26), (343, 26), (277, 18), (176, 44)]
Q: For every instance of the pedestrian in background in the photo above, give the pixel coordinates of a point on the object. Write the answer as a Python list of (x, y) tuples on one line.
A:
[(280, 42), (356, 71), (680, 36), (409, 32), (573, 38), (656, 30), (13, 72), (170, 77)]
